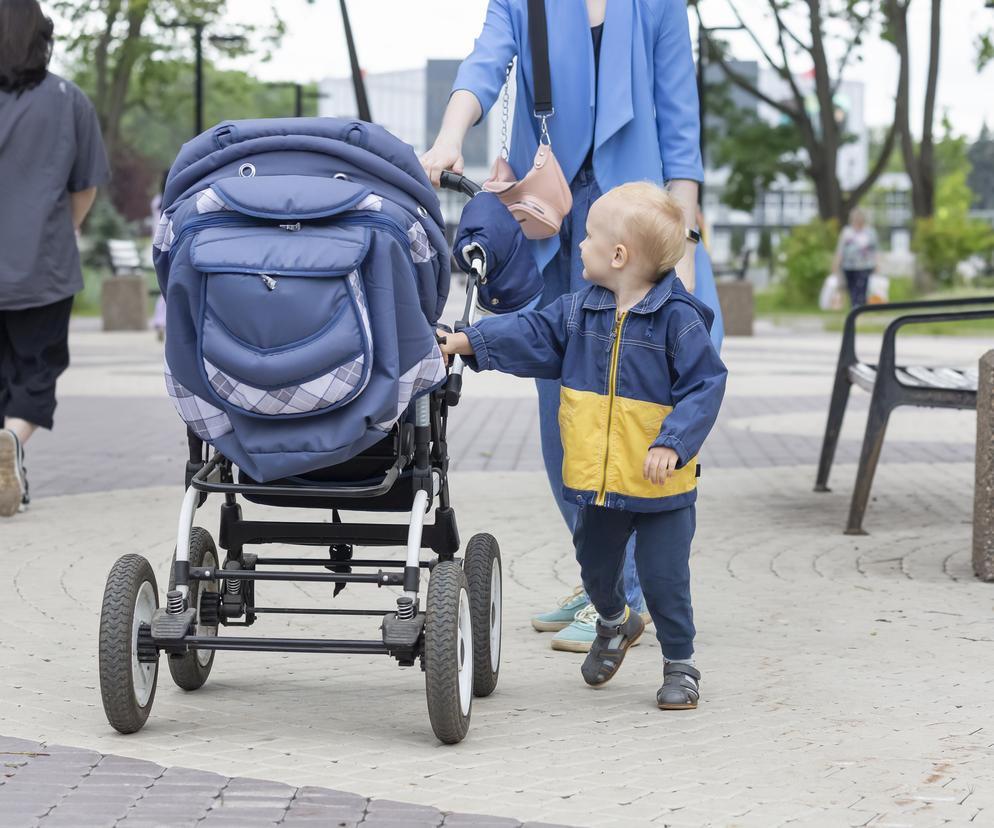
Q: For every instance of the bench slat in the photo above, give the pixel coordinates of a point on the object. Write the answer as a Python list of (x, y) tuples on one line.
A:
[(905, 378), (863, 375), (959, 377), (937, 377)]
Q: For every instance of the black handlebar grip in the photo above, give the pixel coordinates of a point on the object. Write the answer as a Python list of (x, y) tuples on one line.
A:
[(453, 181), (453, 389)]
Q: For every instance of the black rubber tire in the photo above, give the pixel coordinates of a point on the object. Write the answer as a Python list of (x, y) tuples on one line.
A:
[(115, 650), (481, 552), (187, 671), (441, 653)]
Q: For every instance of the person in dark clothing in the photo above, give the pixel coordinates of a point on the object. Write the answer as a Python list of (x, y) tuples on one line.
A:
[(52, 159)]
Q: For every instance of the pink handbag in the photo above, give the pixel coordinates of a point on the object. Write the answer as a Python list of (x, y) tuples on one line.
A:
[(542, 199)]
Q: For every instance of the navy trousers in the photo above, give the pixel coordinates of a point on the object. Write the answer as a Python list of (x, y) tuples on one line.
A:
[(662, 556)]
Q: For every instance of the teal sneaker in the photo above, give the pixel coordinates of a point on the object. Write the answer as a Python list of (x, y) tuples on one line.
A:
[(563, 615), (578, 636)]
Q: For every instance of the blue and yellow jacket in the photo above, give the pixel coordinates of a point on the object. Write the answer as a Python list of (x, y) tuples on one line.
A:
[(647, 377)]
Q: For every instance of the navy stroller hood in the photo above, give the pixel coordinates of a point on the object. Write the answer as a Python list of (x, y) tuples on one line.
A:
[(304, 265), (512, 279)]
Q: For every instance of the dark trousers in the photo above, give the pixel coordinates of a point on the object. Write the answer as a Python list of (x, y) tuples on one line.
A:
[(662, 556), (857, 281), (34, 350)]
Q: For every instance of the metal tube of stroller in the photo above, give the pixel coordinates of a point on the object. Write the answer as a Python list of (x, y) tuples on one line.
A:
[(186, 512), (414, 534), (191, 502), (478, 268)]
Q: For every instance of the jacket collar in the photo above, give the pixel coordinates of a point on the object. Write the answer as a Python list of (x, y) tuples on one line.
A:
[(600, 298)]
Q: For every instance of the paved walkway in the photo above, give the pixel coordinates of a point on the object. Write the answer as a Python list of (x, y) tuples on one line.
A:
[(846, 680)]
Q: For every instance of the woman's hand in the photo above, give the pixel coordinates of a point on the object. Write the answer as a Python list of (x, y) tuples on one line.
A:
[(444, 155)]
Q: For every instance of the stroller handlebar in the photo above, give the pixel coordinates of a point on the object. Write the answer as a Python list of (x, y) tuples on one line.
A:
[(459, 183)]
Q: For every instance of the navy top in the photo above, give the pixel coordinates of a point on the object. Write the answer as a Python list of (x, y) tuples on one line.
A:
[(50, 146), (596, 34)]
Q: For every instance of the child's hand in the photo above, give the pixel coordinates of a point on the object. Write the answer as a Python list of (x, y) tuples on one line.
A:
[(660, 463), (454, 343)]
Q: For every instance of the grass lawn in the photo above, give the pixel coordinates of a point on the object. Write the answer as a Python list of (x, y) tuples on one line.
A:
[(769, 306)]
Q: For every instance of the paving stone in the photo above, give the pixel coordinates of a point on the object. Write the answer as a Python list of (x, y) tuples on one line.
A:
[(782, 598)]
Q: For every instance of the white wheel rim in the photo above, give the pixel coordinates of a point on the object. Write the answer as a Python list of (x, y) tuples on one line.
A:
[(464, 653), (204, 656), (142, 673), (495, 619)]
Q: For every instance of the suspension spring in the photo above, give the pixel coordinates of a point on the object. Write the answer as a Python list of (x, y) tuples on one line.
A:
[(405, 608), (174, 602)]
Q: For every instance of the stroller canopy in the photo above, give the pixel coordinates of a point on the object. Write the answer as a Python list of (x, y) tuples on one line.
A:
[(304, 265)]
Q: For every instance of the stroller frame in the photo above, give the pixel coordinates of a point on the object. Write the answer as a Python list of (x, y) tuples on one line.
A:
[(456, 636)]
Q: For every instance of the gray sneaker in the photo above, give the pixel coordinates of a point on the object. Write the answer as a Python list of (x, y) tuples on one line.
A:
[(13, 487)]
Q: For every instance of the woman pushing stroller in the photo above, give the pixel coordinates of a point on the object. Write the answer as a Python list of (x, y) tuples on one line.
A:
[(626, 109)]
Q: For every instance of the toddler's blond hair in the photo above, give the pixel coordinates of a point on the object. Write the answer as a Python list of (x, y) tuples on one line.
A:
[(651, 221)]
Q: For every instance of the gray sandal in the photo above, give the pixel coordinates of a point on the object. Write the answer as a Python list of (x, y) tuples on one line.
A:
[(681, 687), (603, 660)]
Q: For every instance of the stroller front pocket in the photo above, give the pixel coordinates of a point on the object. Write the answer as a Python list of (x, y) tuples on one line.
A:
[(286, 328)]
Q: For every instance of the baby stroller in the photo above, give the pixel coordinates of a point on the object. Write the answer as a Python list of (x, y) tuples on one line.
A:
[(304, 266)]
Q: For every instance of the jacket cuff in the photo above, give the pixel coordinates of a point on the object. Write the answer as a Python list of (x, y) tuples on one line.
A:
[(674, 442), (480, 361), (673, 172)]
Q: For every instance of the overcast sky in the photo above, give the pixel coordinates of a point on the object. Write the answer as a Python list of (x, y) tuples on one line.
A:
[(398, 34)]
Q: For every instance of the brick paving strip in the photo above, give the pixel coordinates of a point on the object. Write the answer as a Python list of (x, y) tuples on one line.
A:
[(51, 786)]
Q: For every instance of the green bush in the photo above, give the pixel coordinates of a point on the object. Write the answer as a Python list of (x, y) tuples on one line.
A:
[(805, 258), (950, 236), (104, 222)]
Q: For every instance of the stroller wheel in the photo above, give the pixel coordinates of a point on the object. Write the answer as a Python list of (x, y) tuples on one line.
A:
[(449, 653), (483, 574), (129, 665), (191, 669)]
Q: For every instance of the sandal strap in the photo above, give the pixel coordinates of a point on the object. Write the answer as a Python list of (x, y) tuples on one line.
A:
[(671, 668)]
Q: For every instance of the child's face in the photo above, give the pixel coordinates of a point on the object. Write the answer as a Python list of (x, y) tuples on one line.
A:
[(602, 253)]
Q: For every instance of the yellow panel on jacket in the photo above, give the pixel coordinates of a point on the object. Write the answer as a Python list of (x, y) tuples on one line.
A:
[(598, 458)]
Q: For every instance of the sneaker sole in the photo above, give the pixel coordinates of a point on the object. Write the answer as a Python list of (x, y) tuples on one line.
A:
[(550, 626), (11, 487)]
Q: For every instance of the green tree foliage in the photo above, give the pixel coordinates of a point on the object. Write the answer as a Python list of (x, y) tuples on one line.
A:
[(756, 153), (134, 58), (806, 259), (950, 236), (793, 37)]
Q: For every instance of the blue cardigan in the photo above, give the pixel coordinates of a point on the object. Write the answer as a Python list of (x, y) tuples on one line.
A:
[(647, 127)]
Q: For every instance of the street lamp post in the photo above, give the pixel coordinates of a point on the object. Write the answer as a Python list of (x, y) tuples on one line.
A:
[(197, 27)]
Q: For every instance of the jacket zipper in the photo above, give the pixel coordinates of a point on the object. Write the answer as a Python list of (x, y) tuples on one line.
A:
[(612, 382)]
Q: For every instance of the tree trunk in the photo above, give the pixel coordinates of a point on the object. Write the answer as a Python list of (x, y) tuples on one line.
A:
[(926, 158), (117, 92)]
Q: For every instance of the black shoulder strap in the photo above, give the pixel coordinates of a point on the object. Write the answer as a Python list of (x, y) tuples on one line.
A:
[(538, 35)]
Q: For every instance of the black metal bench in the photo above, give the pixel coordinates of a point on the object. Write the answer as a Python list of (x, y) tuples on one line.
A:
[(892, 385)]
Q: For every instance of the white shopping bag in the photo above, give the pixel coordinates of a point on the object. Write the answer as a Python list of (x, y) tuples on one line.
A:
[(831, 297), (878, 291)]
